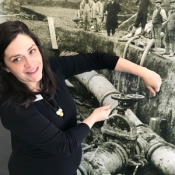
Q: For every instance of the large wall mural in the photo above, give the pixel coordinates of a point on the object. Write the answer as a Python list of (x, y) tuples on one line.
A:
[(138, 138)]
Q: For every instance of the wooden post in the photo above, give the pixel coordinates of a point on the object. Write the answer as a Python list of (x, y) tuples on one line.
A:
[(52, 33)]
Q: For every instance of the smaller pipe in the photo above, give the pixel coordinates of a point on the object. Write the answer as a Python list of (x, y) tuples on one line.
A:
[(127, 45), (124, 56), (145, 53)]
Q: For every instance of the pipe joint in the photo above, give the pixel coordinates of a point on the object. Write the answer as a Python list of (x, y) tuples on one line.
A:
[(152, 148)]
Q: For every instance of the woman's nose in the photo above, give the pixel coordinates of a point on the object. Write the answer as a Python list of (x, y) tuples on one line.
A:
[(28, 62)]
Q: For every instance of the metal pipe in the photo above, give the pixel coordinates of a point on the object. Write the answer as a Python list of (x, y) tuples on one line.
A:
[(103, 90), (108, 158), (163, 158), (160, 153)]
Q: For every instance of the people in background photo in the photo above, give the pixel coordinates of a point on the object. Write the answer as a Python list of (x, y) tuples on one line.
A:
[(142, 14), (112, 9), (158, 18), (170, 31), (86, 13), (97, 15)]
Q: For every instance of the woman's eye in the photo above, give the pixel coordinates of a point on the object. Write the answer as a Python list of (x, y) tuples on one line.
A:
[(32, 51), (16, 59)]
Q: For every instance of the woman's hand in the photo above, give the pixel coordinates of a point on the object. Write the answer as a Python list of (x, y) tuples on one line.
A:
[(99, 114), (152, 80)]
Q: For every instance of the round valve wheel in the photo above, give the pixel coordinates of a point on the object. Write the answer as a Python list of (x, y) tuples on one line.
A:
[(127, 97)]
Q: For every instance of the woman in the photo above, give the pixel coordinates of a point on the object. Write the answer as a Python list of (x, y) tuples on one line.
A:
[(37, 108)]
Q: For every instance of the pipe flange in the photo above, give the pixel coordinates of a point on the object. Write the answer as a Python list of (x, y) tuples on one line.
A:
[(88, 82), (120, 150), (107, 94), (152, 148)]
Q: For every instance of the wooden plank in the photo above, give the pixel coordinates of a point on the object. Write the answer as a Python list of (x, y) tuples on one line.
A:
[(52, 33)]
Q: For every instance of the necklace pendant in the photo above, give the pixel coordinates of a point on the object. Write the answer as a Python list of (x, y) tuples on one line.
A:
[(60, 112)]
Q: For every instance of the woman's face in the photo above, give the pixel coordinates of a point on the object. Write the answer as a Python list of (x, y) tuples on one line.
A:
[(23, 59)]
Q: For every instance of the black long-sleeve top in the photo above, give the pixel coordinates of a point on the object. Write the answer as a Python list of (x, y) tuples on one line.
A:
[(43, 142)]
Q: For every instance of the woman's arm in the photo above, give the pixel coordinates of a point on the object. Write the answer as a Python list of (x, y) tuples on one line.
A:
[(75, 64), (151, 79)]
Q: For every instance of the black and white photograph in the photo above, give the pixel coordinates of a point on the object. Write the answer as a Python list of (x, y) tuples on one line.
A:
[(87, 87)]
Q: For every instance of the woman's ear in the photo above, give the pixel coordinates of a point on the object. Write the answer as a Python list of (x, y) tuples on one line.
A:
[(5, 68)]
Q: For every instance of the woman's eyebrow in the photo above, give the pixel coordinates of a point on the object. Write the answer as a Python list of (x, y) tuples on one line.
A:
[(31, 46), (20, 54)]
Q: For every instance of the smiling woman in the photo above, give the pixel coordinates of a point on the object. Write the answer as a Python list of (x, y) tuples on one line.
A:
[(37, 108), (24, 61)]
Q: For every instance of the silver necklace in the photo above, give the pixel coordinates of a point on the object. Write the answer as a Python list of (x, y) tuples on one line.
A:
[(58, 111)]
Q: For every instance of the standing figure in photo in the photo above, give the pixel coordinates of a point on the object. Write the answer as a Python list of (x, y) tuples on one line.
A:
[(142, 14), (158, 18), (86, 13), (112, 9), (97, 15), (170, 31), (105, 3), (37, 107)]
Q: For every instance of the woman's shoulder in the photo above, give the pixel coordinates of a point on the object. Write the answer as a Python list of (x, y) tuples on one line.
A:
[(15, 114), (56, 62), (63, 64)]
